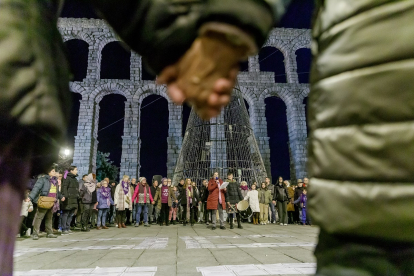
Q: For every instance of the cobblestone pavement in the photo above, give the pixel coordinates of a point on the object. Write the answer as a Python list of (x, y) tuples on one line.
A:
[(173, 250)]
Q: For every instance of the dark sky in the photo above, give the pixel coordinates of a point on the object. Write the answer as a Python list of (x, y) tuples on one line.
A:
[(154, 109)]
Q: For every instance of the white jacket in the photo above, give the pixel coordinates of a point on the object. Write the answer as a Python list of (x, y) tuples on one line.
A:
[(253, 198), (26, 208)]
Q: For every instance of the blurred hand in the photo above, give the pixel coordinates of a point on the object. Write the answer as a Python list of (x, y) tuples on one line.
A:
[(205, 75), (27, 200), (63, 199)]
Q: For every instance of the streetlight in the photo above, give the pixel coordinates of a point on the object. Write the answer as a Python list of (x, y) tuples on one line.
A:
[(66, 152)]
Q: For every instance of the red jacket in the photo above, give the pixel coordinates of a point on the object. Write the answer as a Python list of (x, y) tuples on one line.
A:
[(213, 197)]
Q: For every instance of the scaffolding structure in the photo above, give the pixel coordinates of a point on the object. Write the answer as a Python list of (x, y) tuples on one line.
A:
[(225, 143)]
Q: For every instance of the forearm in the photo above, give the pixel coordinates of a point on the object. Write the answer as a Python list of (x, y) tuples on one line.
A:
[(162, 32)]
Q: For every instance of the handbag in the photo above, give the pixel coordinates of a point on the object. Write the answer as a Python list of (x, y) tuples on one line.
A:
[(46, 202)]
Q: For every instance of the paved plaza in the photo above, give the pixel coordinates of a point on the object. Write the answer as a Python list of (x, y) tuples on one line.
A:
[(173, 250)]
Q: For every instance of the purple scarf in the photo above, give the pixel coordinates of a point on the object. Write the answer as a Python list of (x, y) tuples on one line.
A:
[(53, 180), (244, 188), (125, 186), (105, 192)]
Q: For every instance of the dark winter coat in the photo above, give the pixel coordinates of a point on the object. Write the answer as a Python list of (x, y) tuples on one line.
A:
[(298, 192), (280, 194), (213, 197), (233, 194), (70, 190), (42, 188), (203, 193), (195, 195)]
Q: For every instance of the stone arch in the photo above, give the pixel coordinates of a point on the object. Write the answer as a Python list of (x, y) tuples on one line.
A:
[(78, 55), (109, 88), (151, 89), (115, 55), (67, 36), (102, 41), (249, 95), (272, 59), (77, 87)]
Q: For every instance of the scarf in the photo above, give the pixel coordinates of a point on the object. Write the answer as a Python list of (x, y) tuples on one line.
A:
[(143, 190), (218, 184), (66, 174), (90, 187), (244, 188), (125, 186), (106, 193), (53, 180)]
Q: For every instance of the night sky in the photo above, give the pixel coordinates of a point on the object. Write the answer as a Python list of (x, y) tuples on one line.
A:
[(154, 109)]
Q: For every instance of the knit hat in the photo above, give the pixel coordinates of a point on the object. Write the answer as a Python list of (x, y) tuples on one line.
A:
[(142, 178), (300, 181)]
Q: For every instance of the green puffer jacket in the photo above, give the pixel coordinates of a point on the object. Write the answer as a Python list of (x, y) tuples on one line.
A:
[(361, 114)]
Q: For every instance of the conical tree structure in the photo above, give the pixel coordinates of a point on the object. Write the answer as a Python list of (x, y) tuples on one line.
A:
[(223, 144)]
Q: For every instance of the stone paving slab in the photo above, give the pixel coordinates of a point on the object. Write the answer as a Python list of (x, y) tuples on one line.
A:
[(269, 249)]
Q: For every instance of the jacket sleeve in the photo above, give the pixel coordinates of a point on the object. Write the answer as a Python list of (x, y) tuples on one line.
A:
[(212, 185), (37, 188), (162, 31), (116, 195), (247, 196), (136, 192), (82, 191), (64, 189), (157, 194), (151, 199), (98, 195)]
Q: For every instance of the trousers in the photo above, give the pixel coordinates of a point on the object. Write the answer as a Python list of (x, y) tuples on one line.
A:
[(41, 214), (102, 216), (264, 210), (282, 211), (213, 215), (67, 218), (141, 207)]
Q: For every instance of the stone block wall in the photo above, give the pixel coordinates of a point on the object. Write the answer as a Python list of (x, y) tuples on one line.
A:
[(255, 86)]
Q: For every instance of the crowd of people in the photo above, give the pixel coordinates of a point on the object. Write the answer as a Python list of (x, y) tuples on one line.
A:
[(58, 202)]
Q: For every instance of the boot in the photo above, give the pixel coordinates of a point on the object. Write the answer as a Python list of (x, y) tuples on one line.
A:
[(239, 223), (123, 225), (231, 224)]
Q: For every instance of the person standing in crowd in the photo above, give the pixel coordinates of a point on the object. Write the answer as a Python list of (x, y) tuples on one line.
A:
[(216, 200), (173, 209), (142, 198), (46, 194), (152, 208), (57, 216), (302, 202), (104, 202), (298, 192), (89, 198), (123, 200), (253, 198), (112, 211), (70, 190), (203, 198), (79, 210), (272, 206), (233, 196), (169, 182), (244, 188), (130, 220), (290, 206), (264, 198), (27, 207), (180, 187), (186, 201), (305, 182), (282, 198), (164, 198)]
